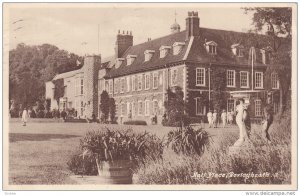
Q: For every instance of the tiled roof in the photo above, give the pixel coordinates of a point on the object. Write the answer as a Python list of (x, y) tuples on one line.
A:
[(139, 63), (197, 52)]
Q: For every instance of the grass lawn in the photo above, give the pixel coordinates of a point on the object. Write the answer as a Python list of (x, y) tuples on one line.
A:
[(38, 152)]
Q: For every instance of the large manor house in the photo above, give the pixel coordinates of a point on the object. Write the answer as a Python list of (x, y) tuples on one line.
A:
[(138, 76)]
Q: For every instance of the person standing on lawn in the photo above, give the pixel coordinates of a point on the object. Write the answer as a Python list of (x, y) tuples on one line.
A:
[(224, 118), (210, 119), (215, 118), (24, 116)]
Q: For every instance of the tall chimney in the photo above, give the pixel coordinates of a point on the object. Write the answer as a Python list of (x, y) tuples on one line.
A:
[(123, 42), (192, 24)]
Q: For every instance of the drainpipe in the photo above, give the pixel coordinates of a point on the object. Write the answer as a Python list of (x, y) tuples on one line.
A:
[(209, 84)]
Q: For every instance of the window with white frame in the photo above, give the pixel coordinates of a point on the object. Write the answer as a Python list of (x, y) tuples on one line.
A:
[(174, 77), (257, 107), (81, 108), (274, 81), (200, 108), (147, 81), (148, 54), (122, 85), (110, 87), (163, 51), (123, 109), (230, 78), (147, 108), (130, 59), (81, 86), (77, 80), (133, 83), (155, 107), (133, 108), (129, 108), (128, 83), (177, 47), (140, 108), (239, 52), (140, 82), (212, 49), (155, 80), (117, 81), (200, 76), (258, 79), (244, 79)]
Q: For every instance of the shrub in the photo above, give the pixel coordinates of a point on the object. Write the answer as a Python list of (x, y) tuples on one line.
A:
[(33, 114), (135, 122), (82, 166), (40, 114), (274, 158), (111, 145), (188, 140), (48, 114), (177, 120)]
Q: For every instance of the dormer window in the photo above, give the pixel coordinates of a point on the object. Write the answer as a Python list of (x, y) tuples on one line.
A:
[(119, 62), (266, 55), (130, 59), (238, 50), (211, 47), (163, 51), (148, 54), (177, 47)]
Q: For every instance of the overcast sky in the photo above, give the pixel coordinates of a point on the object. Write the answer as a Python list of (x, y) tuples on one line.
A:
[(69, 26)]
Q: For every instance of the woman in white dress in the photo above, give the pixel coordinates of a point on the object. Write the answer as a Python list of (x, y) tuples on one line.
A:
[(24, 117), (240, 117)]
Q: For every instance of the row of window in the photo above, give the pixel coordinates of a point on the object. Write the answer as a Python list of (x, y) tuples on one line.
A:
[(140, 108), (138, 82), (244, 79)]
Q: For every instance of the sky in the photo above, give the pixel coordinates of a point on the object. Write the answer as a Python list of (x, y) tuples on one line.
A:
[(74, 27)]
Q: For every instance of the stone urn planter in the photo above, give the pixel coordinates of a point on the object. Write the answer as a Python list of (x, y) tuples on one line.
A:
[(115, 172)]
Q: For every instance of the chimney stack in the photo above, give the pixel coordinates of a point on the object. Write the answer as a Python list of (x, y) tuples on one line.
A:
[(192, 24), (123, 42)]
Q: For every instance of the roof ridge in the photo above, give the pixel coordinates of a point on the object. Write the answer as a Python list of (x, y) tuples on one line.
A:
[(152, 40)]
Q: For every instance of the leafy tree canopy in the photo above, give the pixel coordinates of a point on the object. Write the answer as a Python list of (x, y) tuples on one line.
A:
[(31, 66)]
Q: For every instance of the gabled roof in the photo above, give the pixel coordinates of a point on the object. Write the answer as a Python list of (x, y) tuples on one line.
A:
[(194, 50), (155, 62)]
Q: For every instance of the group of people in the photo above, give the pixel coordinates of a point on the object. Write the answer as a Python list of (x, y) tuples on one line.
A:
[(226, 117)]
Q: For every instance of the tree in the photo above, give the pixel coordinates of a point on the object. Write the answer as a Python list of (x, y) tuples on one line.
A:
[(175, 108), (278, 21), (218, 85), (58, 89), (104, 105), (112, 109), (31, 66)]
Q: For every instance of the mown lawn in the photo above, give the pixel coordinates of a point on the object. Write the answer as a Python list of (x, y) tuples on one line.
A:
[(38, 153)]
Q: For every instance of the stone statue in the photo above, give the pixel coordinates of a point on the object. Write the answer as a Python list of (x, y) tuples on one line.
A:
[(243, 122)]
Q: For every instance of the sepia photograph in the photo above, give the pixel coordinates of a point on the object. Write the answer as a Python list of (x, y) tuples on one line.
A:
[(150, 96)]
